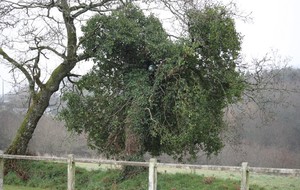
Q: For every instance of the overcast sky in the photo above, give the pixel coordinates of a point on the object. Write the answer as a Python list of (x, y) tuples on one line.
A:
[(275, 25)]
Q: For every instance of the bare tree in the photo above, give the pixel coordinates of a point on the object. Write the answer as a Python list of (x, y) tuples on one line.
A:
[(37, 36)]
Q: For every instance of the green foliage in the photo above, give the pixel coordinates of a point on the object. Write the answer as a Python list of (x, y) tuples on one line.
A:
[(177, 108), (125, 40)]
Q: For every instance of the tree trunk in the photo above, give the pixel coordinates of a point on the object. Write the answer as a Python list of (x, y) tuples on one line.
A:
[(133, 149), (33, 115), (37, 108), (132, 142), (133, 152)]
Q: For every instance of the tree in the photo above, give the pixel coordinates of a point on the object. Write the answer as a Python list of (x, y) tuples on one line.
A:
[(40, 42), (34, 34), (148, 93)]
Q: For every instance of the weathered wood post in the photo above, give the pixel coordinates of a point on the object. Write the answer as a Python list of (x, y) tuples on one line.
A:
[(71, 172), (245, 176), (1, 170), (152, 174)]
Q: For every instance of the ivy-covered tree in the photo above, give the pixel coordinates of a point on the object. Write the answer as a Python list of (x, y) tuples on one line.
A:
[(148, 93)]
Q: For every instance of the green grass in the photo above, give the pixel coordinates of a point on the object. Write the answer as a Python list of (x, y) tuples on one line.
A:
[(11, 187), (268, 182), (54, 176), (276, 182), (48, 176)]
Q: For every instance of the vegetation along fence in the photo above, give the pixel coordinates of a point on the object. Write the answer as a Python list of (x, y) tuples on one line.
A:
[(152, 164)]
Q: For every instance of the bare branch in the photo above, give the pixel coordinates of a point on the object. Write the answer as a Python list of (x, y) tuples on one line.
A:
[(84, 7), (21, 68), (72, 75), (28, 5), (40, 48), (16, 64)]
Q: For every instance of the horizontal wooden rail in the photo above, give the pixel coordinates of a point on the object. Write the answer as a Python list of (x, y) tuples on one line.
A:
[(112, 162), (258, 170), (36, 158), (206, 167), (275, 171)]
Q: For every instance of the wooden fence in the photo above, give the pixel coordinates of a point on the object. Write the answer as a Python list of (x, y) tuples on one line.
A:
[(152, 165)]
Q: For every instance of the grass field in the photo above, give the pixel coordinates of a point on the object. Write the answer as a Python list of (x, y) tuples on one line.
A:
[(50, 176), (268, 182)]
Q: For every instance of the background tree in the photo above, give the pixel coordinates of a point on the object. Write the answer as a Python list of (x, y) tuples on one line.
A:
[(151, 94)]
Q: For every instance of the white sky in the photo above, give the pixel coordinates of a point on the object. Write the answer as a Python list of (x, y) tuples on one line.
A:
[(275, 25)]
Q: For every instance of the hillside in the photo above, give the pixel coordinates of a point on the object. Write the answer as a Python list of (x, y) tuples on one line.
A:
[(50, 137), (267, 136)]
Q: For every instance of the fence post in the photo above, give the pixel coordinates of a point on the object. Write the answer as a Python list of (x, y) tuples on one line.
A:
[(1, 170), (71, 172), (245, 176), (152, 174)]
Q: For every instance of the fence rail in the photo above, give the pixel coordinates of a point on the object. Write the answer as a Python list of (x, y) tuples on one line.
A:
[(112, 162), (152, 164), (37, 158)]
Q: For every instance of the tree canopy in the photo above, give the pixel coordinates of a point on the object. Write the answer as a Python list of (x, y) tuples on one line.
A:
[(148, 93)]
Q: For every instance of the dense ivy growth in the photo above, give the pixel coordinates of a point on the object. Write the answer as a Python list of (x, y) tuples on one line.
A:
[(147, 93)]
